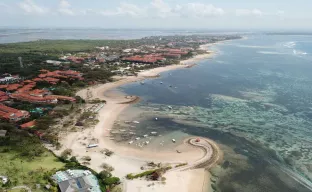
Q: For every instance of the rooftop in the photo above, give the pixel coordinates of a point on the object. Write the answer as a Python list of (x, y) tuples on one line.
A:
[(76, 180)]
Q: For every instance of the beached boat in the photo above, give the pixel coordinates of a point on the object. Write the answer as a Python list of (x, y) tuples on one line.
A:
[(146, 142), (130, 142), (92, 145), (153, 133), (138, 138)]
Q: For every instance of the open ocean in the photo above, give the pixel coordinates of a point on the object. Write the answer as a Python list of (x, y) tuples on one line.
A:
[(254, 99)]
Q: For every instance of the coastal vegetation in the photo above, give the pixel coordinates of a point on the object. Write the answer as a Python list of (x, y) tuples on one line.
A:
[(153, 174), (24, 159)]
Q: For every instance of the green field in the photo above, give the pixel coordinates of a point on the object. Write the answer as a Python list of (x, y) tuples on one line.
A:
[(59, 46), (24, 160)]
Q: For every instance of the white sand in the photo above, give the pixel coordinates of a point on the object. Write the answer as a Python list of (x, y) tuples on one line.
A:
[(129, 160)]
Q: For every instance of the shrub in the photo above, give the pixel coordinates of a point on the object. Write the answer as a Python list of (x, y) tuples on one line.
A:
[(107, 167), (66, 153), (86, 158), (111, 181)]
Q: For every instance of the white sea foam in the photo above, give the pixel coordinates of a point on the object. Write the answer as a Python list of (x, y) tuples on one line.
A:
[(290, 44), (298, 52), (271, 53), (255, 46)]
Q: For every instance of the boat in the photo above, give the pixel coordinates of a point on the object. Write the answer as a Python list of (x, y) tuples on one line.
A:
[(146, 142), (173, 140), (179, 151), (92, 145), (130, 142), (153, 133), (156, 118), (142, 82), (161, 82), (169, 107), (145, 136), (138, 138), (170, 85), (136, 122)]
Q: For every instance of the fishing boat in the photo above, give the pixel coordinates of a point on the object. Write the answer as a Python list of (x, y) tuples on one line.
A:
[(173, 140)]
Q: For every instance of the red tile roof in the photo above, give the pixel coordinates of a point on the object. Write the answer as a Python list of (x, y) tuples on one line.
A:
[(28, 125), (3, 96), (145, 58), (12, 87), (3, 86), (12, 114), (60, 97), (32, 99)]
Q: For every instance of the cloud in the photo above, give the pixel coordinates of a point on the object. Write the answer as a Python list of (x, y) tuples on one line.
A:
[(65, 8), (125, 9), (248, 12), (31, 7), (161, 9), (198, 10)]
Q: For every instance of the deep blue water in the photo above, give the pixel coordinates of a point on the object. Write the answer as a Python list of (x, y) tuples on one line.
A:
[(255, 95)]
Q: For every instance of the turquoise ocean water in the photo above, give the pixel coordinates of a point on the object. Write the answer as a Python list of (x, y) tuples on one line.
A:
[(255, 99)]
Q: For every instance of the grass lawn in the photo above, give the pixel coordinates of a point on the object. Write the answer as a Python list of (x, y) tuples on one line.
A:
[(25, 172)]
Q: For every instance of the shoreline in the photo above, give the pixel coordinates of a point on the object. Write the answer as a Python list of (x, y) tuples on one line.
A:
[(127, 159)]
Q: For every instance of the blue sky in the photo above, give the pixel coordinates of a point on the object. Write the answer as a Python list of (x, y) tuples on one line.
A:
[(207, 14)]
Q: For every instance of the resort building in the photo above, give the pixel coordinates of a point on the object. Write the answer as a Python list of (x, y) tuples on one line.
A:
[(76, 181), (3, 96), (8, 78), (12, 114), (34, 99), (153, 58), (53, 76), (28, 125)]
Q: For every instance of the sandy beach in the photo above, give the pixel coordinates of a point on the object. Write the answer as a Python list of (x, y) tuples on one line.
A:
[(130, 160)]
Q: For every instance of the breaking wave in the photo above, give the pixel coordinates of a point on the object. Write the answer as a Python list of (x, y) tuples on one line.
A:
[(290, 44), (271, 53)]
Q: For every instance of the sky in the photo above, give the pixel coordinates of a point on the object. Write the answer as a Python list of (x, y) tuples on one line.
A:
[(171, 14)]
